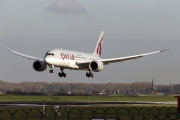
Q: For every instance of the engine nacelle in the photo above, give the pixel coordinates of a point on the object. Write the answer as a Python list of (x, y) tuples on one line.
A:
[(96, 66), (39, 66)]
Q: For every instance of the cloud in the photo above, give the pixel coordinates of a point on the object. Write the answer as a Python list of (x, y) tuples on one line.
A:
[(67, 7)]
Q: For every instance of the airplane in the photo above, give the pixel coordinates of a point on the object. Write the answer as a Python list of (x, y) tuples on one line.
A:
[(66, 59)]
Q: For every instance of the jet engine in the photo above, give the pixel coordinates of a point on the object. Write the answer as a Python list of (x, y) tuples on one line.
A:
[(39, 66), (96, 66)]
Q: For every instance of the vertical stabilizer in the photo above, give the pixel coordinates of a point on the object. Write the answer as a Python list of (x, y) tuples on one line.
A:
[(98, 48)]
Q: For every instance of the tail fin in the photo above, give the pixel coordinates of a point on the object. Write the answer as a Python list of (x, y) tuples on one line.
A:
[(98, 48)]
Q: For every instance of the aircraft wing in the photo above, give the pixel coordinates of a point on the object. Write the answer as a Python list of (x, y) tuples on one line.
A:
[(26, 56), (121, 59)]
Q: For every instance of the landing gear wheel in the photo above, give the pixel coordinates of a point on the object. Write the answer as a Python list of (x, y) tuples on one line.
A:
[(89, 75), (62, 74), (51, 71)]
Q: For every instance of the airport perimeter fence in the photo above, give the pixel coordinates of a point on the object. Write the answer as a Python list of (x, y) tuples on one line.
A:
[(90, 113)]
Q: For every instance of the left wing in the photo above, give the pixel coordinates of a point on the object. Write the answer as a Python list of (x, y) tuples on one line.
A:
[(26, 56), (121, 59)]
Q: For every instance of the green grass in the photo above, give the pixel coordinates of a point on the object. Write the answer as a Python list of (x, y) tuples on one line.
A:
[(12, 98)]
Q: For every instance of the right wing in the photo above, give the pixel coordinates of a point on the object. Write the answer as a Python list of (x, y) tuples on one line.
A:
[(121, 59), (26, 56)]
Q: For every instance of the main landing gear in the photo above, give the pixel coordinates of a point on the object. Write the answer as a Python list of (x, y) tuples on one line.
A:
[(62, 74), (89, 74)]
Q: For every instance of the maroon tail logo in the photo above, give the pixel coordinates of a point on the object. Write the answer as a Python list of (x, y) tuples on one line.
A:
[(99, 48)]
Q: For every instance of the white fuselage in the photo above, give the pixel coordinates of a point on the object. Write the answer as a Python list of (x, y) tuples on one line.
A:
[(67, 59)]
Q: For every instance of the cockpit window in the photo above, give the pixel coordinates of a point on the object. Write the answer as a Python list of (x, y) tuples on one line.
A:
[(50, 54)]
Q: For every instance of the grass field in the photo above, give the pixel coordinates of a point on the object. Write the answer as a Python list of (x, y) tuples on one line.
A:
[(12, 98)]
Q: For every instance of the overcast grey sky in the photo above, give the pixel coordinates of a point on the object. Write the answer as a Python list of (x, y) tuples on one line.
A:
[(131, 27)]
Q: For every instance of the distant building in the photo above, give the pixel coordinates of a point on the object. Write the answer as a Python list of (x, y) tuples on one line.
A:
[(152, 89), (153, 84)]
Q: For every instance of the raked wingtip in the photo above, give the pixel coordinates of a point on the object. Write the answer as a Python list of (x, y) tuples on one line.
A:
[(165, 50), (8, 48)]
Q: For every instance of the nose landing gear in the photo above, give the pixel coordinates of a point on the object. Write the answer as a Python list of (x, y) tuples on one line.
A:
[(51, 70)]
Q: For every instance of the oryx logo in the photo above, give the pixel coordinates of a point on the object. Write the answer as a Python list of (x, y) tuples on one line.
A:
[(99, 47)]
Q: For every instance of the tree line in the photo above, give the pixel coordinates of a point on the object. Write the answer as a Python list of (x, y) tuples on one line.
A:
[(59, 87)]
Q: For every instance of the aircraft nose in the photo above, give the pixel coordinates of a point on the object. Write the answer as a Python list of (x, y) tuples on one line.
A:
[(48, 60)]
